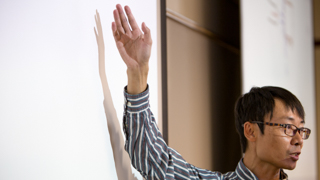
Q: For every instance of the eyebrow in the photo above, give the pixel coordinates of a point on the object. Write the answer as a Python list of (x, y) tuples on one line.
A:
[(291, 119)]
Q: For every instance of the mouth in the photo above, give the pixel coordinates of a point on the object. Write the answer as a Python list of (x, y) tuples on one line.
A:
[(295, 156)]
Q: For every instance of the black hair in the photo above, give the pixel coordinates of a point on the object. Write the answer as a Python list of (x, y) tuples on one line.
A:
[(259, 102)]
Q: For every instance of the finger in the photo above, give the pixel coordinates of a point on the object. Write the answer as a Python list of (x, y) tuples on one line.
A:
[(97, 17), (123, 19), (98, 23), (147, 33), (131, 18), (95, 32), (117, 21), (115, 32)]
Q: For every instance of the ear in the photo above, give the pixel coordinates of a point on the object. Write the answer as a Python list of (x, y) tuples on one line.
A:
[(249, 131)]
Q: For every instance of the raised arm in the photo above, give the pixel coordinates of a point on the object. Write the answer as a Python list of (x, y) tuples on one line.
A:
[(148, 152), (134, 48)]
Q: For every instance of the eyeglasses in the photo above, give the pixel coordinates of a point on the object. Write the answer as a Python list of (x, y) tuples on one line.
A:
[(290, 129)]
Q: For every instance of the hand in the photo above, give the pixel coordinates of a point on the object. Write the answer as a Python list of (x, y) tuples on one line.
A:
[(134, 48)]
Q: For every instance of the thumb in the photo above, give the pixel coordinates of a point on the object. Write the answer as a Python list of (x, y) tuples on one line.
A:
[(147, 33)]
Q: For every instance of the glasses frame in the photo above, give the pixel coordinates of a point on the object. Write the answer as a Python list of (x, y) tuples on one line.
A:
[(285, 126)]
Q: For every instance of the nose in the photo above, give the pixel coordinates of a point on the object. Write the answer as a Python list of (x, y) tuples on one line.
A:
[(297, 139)]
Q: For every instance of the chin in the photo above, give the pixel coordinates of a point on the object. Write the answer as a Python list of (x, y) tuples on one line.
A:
[(290, 166), (288, 163)]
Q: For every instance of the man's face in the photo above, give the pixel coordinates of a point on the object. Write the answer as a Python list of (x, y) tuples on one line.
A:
[(275, 147)]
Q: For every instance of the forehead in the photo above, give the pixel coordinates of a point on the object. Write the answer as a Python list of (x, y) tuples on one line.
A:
[(284, 114)]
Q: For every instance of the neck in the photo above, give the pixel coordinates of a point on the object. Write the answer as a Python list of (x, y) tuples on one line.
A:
[(263, 170)]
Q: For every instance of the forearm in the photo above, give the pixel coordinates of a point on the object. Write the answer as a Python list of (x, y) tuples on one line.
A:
[(137, 79)]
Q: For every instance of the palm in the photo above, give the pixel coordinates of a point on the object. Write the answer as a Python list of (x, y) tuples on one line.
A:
[(133, 45), (133, 48)]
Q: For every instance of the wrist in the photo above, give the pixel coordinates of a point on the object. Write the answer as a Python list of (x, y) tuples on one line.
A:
[(137, 80)]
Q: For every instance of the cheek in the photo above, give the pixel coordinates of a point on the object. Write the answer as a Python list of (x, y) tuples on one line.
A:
[(279, 145), (274, 145)]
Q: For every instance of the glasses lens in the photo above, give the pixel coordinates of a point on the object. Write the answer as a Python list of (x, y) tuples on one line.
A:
[(305, 133), (288, 130), (291, 130)]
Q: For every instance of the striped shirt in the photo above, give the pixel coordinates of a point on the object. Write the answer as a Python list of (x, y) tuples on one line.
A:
[(151, 156)]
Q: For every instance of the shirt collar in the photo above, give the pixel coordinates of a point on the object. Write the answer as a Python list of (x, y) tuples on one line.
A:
[(283, 175), (244, 173)]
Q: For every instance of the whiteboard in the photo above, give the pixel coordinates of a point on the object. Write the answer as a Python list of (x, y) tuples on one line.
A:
[(277, 50), (52, 121)]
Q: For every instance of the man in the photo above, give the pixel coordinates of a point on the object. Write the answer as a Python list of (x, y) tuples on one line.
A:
[(269, 121)]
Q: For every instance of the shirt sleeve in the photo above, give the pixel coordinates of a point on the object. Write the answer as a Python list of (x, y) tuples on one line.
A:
[(148, 152)]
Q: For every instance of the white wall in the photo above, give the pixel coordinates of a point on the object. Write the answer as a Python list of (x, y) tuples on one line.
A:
[(277, 49), (52, 121)]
